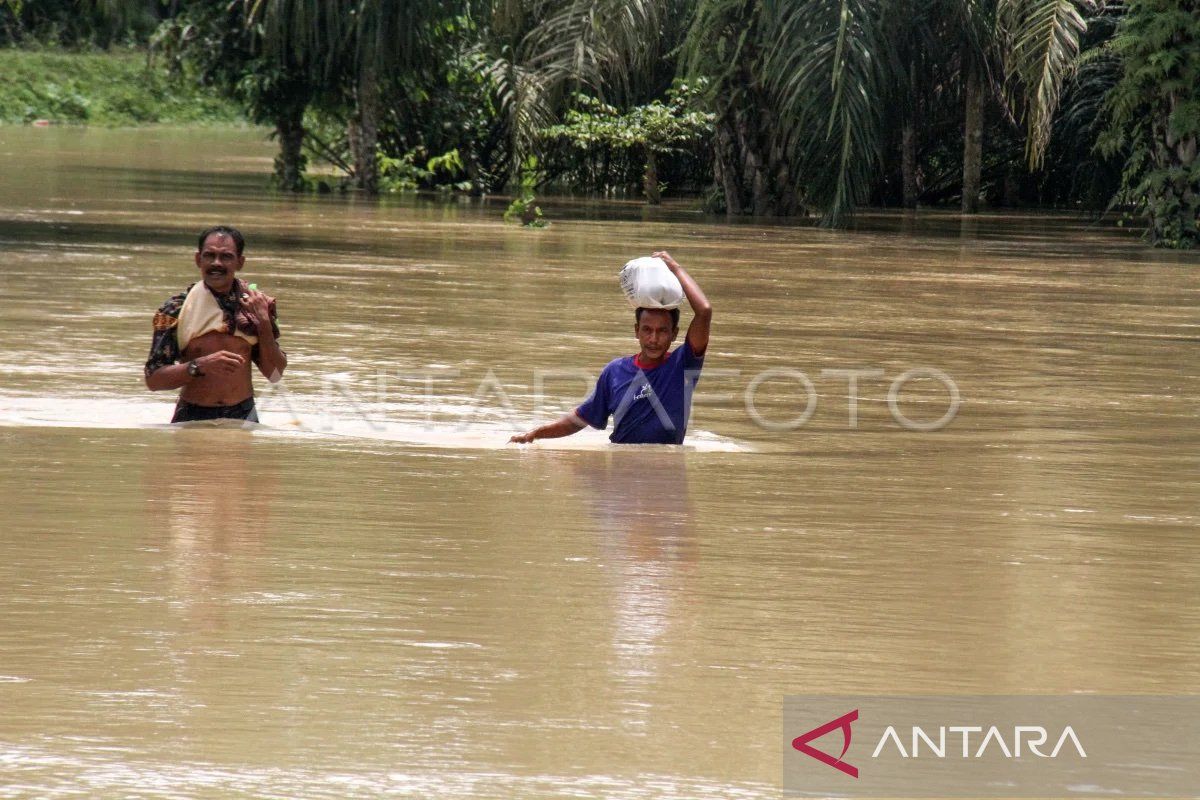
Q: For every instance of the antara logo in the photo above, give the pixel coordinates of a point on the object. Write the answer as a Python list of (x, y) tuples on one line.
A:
[(801, 743), (1033, 737)]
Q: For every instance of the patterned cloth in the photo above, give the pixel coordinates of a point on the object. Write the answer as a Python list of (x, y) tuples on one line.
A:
[(165, 350)]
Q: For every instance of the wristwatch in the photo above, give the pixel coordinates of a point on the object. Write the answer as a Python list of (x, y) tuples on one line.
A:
[(194, 369)]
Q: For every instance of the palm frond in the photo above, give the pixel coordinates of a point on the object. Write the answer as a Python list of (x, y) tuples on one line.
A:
[(524, 99), (1040, 54), (594, 42), (826, 65), (535, 52), (718, 35)]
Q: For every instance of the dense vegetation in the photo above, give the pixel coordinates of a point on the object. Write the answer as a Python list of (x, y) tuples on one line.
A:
[(766, 107), (114, 88)]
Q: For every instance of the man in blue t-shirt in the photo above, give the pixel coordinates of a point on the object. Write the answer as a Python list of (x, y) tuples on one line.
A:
[(647, 395)]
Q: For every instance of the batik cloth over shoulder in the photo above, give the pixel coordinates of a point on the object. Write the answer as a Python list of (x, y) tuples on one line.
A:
[(165, 349)]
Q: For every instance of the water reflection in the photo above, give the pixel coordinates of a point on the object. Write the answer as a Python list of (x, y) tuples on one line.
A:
[(644, 518), (209, 504)]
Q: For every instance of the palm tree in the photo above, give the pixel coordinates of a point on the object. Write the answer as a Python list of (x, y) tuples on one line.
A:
[(226, 50), (535, 53), (350, 50), (728, 44), (835, 75), (1030, 49)]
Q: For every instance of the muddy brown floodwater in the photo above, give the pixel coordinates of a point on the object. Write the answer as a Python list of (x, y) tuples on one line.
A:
[(374, 595)]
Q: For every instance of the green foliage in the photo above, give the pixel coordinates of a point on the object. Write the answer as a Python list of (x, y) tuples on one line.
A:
[(348, 54), (524, 208), (78, 23), (532, 53), (830, 69), (448, 106), (402, 173), (789, 106), (633, 141), (216, 45), (1154, 118), (1038, 44), (811, 93), (450, 163), (114, 89), (661, 127), (224, 47), (1072, 173)]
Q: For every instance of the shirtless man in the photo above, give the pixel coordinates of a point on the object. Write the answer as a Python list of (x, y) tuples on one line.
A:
[(206, 337)]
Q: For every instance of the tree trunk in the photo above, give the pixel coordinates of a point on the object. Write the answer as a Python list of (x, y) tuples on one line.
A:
[(973, 141), (908, 162), (785, 181), (725, 170), (290, 163), (1012, 188), (750, 163), (366, 165), (354, 139), (753, 168), (741, 166), (908, 143), (650, 179)]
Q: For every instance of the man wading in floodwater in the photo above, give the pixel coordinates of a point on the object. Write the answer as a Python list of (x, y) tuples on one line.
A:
[(647, 395), (205, 338)]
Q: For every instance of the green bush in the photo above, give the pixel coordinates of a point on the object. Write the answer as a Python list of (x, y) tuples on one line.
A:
[(114, 88)]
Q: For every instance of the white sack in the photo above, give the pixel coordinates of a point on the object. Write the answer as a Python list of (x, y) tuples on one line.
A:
[(648, 283)]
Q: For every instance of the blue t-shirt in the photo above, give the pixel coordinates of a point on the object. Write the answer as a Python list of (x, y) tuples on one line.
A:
[(647, 406)]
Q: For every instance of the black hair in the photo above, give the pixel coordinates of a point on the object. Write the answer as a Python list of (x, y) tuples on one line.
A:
[(637, 315), (239, 241)]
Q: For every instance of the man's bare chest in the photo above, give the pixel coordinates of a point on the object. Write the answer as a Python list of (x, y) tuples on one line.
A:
[(213, 342)]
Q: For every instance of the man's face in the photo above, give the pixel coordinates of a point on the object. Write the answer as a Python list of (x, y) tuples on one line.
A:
[(655, 333), (219, 261)]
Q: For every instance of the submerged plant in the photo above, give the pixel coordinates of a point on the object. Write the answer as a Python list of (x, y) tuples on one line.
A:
[(524, 208)]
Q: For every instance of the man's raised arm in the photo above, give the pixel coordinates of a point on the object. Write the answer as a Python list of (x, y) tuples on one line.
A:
[(697, 334), (271, 359)]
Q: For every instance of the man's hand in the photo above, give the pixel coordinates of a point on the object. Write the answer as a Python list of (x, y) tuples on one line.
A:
[(222, 362), (671, 263), (258, 307), (562, 427), (271, 360), (698, 331)]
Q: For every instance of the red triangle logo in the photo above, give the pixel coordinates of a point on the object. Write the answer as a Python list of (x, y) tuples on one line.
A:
[(801, 743)]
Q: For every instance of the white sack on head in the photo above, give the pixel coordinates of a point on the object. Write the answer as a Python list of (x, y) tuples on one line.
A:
[(648, 283)]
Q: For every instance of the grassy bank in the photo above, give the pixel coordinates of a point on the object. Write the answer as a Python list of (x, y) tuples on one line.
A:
[(114, 88)]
